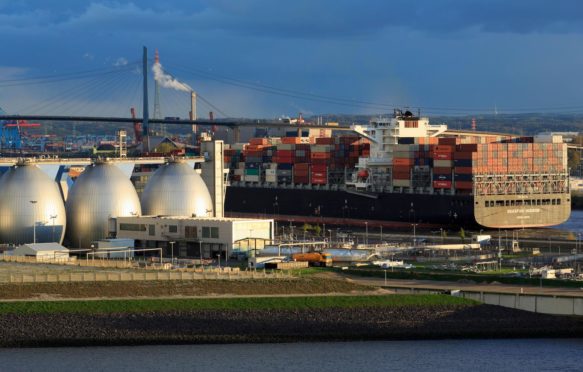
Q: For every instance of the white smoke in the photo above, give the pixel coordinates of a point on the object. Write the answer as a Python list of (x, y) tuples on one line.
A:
[(168, 81)]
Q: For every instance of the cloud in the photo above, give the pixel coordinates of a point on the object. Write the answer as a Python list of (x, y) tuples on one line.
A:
[(121, 61)]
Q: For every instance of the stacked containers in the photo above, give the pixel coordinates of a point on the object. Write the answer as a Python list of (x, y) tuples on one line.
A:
[(403, 161), (443, 162), (463, 166), (302, 173)]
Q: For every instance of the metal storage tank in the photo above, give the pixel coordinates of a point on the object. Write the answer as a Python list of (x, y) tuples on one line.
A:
[(102, 191), (175, 189), (30, 205)]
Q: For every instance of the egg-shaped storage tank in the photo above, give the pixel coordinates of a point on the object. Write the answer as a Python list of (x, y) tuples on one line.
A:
[(101, 192), (175, 189), (31, 206)]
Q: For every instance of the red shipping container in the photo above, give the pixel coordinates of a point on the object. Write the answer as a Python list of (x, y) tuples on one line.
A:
[(401, 168), (442, 155), (467, 147), (318, 174), (441, 184), (319, 168), (462, 155), (324, 141), (448, 140), (403, 161), (401, 176), (319, 181), (463, 170), (464, 185), (441, 170)]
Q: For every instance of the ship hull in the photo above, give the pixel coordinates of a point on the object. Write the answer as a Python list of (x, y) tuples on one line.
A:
[(444, 210)]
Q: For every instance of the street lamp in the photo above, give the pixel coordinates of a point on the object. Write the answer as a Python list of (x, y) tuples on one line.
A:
[(414, 234), (53, 217), (441, 234), (172, 250), (366, 231), (33, 202)]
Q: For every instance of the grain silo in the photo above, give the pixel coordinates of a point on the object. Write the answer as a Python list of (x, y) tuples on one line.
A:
[(175, 189), (31, 206), (101, 192)]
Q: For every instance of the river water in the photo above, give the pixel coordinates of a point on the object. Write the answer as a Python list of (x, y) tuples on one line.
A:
[(442, 355)]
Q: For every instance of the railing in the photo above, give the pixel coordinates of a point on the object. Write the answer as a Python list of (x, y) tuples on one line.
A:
[(145, 273)]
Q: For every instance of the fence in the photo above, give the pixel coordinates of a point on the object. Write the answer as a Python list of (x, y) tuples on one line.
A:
[(140, 276), (536, 303), (146, 273)]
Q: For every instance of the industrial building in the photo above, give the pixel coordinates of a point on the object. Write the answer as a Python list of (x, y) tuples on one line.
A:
[(194, 237), (43, 251)]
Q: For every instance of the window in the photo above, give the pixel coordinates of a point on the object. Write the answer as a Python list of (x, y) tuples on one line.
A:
[(132, 227), (151, 230), (173, 228), (190, 232), (206, 232), (214, 232)]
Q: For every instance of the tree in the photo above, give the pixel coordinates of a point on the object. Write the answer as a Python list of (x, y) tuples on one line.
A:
[(317, 229), (462, 234)]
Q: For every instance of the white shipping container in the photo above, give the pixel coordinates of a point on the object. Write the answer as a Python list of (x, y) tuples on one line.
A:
[(443, 163), (402, 183), (249, 178), (270, 172), (270, 178), (239, 172)]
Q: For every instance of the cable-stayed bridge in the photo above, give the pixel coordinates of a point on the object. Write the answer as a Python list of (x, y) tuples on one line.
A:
[(106, 96)]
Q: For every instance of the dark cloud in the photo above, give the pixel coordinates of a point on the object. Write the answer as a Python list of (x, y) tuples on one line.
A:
[(299, 18)]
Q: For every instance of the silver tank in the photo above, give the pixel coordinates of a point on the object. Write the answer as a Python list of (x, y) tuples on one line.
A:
[(100, 192), (29, 197), (175, 189)]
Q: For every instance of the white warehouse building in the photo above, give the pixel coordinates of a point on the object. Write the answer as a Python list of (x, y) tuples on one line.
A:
[(193, 237)]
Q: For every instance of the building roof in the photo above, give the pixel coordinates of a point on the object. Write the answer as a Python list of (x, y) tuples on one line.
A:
[(219, 219), (43, 247)]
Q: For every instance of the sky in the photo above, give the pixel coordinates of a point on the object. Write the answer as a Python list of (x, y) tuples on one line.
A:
[(265, 58)]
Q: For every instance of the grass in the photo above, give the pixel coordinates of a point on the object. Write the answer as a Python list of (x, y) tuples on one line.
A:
[(257, 303)]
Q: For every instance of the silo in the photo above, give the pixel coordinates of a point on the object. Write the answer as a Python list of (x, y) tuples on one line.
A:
[(175, 189), (31, 206), (102, 191)]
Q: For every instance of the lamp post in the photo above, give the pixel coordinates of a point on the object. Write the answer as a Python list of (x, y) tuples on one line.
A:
[(366, 231), (33, 202), (414, 234), (200, 252), (381, 233), (172, 250), (53, 217), (441, 234)]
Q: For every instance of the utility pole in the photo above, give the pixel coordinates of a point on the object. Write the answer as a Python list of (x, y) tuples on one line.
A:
[(33, 202), (145, 114)]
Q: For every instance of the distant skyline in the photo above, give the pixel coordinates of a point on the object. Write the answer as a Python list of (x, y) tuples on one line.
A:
[(329, 56)]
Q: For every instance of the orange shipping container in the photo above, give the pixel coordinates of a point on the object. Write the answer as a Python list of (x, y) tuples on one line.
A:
[(403, 161)]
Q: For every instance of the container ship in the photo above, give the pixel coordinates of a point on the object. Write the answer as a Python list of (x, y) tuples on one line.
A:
[(402, 169)]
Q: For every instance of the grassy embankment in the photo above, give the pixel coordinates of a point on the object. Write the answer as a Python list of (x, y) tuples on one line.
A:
[(256, 303)]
